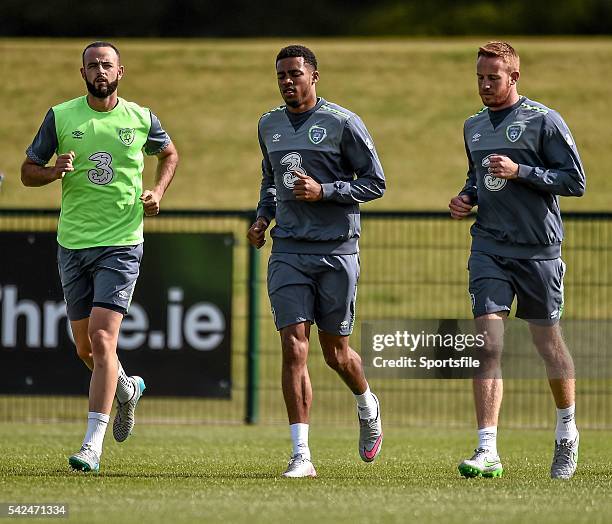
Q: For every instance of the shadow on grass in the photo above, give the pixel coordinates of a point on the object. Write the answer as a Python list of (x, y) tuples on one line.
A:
[(340, 477), (66, 473), (213, 474)]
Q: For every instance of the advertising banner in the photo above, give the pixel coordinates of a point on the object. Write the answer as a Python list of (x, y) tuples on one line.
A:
[(176, 335)]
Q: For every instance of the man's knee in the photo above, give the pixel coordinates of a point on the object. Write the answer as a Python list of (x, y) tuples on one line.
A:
[(492, 348), (82, 342), (491, 329), (80, 332), (548, 341), (83, 349), (294, 342), (103, 342), (337, 359), (336, 351)]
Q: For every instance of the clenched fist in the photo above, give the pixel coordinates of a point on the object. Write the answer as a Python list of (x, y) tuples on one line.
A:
[(460, 207), (257, 232)]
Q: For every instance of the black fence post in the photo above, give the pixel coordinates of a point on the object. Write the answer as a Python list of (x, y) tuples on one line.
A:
[(252, 368)]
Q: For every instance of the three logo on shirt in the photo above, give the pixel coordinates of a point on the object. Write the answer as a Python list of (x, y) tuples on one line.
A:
[(492, 183)]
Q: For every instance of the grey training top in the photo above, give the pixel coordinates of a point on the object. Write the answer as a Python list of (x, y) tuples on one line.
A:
[(44, 145), (520, 218), (333, 147)]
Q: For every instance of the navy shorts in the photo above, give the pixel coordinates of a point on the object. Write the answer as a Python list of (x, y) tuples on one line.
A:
[(98, 276), (537, 285), (314, 288)]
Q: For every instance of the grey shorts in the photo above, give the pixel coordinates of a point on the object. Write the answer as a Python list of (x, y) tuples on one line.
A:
[(537, 285), (98, 276), (314, 288)]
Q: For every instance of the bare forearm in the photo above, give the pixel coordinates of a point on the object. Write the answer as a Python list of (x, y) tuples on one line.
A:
[(166, 167), (33, 175)]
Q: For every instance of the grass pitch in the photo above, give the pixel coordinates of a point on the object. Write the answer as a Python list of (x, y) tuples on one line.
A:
[(231, 474)]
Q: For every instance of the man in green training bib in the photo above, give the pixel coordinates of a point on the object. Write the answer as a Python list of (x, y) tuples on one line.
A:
[(99, 141)]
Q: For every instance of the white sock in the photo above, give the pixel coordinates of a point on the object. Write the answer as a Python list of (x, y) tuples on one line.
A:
[(366, 405), (566, 423), (96, 428), (299, 438), (125, 387), (487, 439)]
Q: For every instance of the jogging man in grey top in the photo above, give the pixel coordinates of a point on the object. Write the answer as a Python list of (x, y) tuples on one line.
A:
[(319, 164), (521, 157)]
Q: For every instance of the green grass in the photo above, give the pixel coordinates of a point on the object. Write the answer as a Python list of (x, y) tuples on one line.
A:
[(231, 474), (413, 94)]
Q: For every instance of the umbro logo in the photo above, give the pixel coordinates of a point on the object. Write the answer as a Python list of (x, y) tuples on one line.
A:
[(123, 294), (476, 137), (78, 134), (276, 137)]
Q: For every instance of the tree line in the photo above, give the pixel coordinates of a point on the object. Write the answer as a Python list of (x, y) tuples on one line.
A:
[(272, 18)]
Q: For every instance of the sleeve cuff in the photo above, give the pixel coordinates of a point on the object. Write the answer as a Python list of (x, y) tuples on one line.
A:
[(524, 171), (34, 157), (473, 198), (265, 213), (328, 190), (159, 149)]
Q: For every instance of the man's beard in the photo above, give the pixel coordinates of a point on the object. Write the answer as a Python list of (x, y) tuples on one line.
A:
[(104, 91)]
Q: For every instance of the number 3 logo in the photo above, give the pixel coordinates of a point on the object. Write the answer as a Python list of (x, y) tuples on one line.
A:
[(103, 173), (293, 161)]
